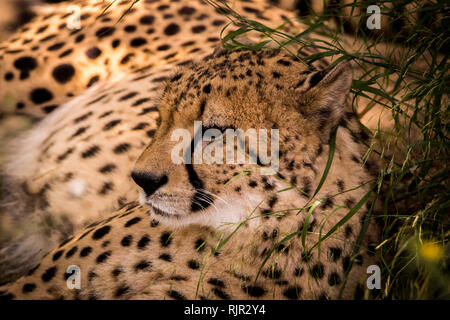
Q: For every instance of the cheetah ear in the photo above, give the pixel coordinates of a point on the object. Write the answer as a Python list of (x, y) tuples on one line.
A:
[(325, 93)]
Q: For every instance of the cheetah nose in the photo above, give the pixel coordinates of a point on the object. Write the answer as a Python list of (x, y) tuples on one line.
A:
[(148, 181)]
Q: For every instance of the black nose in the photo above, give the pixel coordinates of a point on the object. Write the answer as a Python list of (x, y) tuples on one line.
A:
[(148, 181)]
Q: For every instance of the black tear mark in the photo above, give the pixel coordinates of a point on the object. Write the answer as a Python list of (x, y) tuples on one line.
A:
[(199, 200)]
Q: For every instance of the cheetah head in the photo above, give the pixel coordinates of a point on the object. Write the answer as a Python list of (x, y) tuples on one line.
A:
[(239, 90)]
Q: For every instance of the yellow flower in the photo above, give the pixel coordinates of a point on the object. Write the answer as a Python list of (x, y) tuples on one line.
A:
[(431, 251)]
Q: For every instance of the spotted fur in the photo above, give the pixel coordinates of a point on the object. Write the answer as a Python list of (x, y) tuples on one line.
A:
[(81, 159), (49, 185)]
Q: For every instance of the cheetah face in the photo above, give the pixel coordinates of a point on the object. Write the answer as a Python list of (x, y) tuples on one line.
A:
[(240, 90)]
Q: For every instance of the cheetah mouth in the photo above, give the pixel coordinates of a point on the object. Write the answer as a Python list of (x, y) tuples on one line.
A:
[(163, 213), (162, 209)]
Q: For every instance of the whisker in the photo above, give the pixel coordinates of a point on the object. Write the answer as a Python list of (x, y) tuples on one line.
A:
[(213, 194)]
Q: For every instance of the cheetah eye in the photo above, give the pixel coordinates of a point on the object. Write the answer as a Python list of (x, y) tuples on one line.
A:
[(222, 129), (208, 135)]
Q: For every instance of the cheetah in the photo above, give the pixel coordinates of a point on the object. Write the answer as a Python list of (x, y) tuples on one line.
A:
[(46, 187), (103, 142), (166, 247)]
